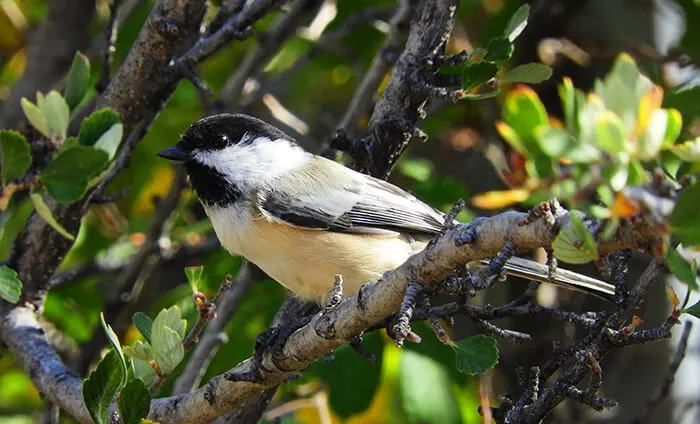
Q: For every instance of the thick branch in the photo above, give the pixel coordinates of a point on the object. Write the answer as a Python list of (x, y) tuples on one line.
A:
[(352, 316), (399, 108)]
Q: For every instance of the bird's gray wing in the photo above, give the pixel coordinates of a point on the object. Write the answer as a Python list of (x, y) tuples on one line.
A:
[(329, 196)]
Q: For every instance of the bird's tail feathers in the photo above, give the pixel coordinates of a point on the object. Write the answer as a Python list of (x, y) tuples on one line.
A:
[(524, 268)]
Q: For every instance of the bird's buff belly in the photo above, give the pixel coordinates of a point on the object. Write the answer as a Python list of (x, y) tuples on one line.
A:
[(307, 261)]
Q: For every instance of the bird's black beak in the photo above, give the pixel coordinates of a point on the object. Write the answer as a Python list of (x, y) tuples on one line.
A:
[(175, 154)]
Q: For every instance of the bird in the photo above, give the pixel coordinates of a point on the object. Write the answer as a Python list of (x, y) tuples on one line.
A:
[(303, 218)]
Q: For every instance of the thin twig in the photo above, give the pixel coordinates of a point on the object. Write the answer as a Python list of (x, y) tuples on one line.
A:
[(110, 38), (206, 313), (214, 333)]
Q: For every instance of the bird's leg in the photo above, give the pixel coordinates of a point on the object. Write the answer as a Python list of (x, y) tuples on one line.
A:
[(272, 341), (400, 328)]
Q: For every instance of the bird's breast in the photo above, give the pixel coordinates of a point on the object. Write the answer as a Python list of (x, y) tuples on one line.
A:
[(306, 261)]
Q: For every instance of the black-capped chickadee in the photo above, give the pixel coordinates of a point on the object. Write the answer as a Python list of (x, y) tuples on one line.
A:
[(303, 218)]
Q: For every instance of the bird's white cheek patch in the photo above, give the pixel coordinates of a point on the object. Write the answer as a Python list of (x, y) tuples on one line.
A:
[(254, 163)]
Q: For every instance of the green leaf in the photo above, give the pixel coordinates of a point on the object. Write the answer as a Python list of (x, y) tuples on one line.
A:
[(685, 218), (499, 50), (144, 371), (693, 310), (15, 155), (100, 388), (57, 114), (567, 94), (144, 324), (610, 133), (134, 402), (194, 276), (476, 354), (166, 338), (481, 96), (78, 79), (171, 317), (616, 174), (35, 117), (475, 74), (524, 112), (689, 150), (92, 127), (140, 350), (574, 244), (114, 341), (67, 176), (44, 212), (425, 389), (110, 140), (554, 142), (653, 137), (416, 168), (529, 73), (684, 271), (69, 143), (517, 22), (168, 348), (10, 285)]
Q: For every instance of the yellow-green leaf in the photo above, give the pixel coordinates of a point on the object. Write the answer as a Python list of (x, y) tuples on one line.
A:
[(44, 211)]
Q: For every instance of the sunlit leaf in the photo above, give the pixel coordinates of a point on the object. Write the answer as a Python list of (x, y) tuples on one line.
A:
[(673, 127), (57, 114), (43, 210), (510, 136), (529, 73), (139, 350), (689, 150), (114, 341), (610, 133), (101, 387), (15, 155), (194, 276), (653, 137), (134, 402), (517, 22), (524, 112), (567, 94), (10, 284), (78, 79), (110, 140), (167, 334), (499, 199), (171, 317), (35, 117), (574, 244), (168, 348), (476, 354)]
